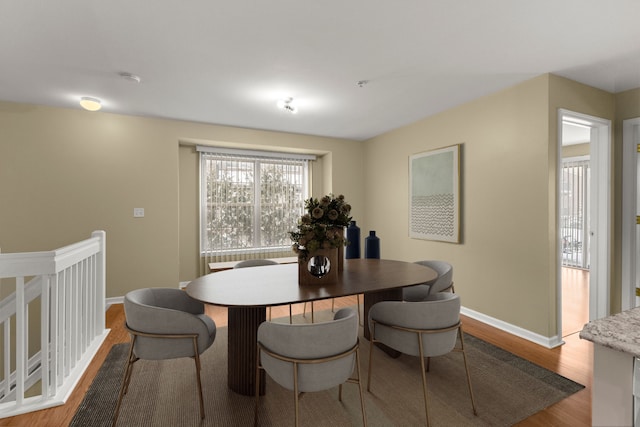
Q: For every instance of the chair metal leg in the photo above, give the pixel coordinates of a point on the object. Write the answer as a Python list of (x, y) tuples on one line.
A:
[(255, 417), (125, 381), (466, 368), (424, 379), (372, 342), (295, 392), (290, 315), (133, 358), (196, 358), (304, 311), (364, 413)]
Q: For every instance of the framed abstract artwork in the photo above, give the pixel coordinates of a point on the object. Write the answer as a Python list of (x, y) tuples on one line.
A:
[(434, 195)]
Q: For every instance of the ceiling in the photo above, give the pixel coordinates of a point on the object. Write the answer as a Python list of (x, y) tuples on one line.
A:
[(229, 62)]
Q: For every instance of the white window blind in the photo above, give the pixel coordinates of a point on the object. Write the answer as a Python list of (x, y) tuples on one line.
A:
[(574, 225), (250, 200)]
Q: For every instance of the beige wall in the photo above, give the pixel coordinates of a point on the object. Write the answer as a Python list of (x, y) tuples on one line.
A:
[(65, 173), (576, 150), (627, 105), (505, 265)]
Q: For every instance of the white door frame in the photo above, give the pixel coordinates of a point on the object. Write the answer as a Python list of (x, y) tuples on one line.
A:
[(630, 141), (600, 231)]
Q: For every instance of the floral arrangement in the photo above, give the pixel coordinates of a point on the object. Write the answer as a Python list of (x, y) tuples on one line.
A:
[(322, 226)]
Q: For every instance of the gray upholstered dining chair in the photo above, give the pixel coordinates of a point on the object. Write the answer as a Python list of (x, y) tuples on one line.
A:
[(257, 263), (165, 323), (444, 282), (423, 329), (310, 357)]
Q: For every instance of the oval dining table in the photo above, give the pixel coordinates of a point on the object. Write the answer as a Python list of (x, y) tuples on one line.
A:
[(246, 292)]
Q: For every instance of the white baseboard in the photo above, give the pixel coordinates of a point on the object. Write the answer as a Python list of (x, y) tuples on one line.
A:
[(113, 300), (548, 342)]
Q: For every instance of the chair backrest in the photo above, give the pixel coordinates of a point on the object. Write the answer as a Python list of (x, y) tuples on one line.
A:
[(254, 263), (310, 342), (167, 311), (445, 274), (437, 318)]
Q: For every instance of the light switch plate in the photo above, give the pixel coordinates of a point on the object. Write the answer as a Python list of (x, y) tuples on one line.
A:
[(138, 212)]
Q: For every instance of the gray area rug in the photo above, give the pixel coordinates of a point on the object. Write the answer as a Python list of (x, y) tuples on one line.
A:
[(507, 388)]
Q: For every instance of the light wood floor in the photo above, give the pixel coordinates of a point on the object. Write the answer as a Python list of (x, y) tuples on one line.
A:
[(575, 300), (573, 360)]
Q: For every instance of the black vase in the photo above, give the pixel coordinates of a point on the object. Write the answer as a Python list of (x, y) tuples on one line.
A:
[(372, 245), (353, 237)]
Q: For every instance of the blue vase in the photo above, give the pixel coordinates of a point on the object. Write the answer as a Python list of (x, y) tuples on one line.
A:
[(372, 245), (353, 237)]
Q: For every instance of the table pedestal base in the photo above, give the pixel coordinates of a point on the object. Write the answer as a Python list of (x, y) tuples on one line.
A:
[(242, 349), (370, 298)]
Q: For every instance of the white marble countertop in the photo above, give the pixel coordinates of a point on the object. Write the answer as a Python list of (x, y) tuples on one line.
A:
[(619, 332)]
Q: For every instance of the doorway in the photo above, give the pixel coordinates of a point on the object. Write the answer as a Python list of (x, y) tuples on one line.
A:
[(584, 220), (630, 213)]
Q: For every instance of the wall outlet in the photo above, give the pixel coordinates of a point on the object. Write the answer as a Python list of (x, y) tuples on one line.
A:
[(138, 212)]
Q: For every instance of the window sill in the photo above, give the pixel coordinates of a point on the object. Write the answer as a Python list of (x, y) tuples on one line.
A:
[(227, 265)]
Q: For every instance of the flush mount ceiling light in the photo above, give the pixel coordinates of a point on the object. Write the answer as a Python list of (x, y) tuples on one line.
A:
[(287, 105), (90, 104)]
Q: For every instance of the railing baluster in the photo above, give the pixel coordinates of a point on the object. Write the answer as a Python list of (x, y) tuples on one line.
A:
[(54, 342), (44, 337), (7, 356), (67, 321), (83, 306), (62, 296), (91, 324), (73, 324), (21, 334)]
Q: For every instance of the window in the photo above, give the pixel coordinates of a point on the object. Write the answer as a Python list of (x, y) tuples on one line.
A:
[(574, 214), (250, 200)]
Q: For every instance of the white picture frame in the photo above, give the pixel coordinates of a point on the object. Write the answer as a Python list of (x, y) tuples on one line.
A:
[(434, 194)]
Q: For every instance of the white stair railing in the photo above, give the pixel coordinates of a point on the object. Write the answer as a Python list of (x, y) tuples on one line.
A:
[(67, 287)]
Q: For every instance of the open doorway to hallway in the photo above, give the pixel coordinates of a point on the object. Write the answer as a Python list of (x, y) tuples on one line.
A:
[(574, 223), (584, 233)]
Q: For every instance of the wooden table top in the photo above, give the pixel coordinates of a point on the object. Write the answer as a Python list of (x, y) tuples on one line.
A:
[(278, 284)]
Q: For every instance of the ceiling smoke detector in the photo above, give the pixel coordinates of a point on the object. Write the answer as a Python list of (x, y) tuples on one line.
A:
[(287, 105), (130, 77)]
